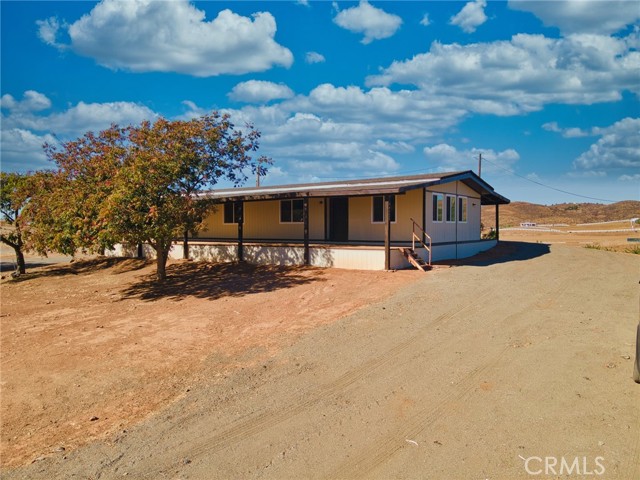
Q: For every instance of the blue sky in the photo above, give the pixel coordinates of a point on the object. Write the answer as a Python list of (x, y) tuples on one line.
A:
[(545, 90)]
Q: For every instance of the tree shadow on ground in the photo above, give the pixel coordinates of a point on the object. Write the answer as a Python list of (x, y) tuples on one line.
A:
[(502, 253), (215, 280), (117, 264)]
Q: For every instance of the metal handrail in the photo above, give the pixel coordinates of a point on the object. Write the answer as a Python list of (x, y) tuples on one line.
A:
[(415, 237)]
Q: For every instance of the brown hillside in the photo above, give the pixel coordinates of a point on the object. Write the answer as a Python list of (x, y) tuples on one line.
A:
[(570, 213)]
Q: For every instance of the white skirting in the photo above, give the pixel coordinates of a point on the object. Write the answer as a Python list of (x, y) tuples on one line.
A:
[(342, 256)]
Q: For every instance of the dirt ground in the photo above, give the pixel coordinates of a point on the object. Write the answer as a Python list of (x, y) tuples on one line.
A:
[(466, 372), (100, 339), (580, 237)]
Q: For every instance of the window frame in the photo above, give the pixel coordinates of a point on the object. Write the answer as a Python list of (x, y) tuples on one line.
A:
[(292, 209), (463, 201), (448, 217), (394, 210), (434, 209), (236, 206)]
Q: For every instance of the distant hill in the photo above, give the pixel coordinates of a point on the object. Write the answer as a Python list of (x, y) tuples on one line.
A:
[(570, 213)]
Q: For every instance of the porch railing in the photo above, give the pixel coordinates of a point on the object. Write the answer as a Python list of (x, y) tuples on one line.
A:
[(422, 237)]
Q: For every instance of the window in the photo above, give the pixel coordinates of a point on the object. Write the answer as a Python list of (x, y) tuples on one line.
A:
[(462, 209), (291, 211), (438, 204), (451, 208), (232, 212), (377, 209)]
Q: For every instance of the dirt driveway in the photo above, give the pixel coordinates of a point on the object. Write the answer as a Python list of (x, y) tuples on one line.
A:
[(93, 347), (510, 367)]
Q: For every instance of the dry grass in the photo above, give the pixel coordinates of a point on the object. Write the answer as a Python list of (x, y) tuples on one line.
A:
[(615, 248)]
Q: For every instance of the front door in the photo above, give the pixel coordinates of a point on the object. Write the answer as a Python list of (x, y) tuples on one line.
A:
[(339, 219)]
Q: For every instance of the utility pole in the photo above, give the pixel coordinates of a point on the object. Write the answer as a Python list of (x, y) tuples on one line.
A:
[(480, 164), (257, 177)]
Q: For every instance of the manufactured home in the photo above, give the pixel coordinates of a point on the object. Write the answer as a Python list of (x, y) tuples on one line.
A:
[(376, 223)]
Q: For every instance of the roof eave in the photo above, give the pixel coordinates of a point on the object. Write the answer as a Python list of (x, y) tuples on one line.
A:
[(488, 196)]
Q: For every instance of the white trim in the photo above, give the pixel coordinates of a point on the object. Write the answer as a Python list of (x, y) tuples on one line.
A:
[(460, 210), (395, 208), (433, 203), (305, 188), (447, 210)]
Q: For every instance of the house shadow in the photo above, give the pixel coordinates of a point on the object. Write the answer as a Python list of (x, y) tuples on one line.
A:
[(504, 252), (216, 280)]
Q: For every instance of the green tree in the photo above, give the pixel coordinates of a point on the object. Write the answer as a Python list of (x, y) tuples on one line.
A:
[(167, 165), (14, 196), (65, 214), (141, 184)]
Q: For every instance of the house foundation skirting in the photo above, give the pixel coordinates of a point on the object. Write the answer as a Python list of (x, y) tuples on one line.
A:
[(357, 257)]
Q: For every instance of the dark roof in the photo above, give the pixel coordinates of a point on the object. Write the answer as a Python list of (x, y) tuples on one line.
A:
[(358, 187)]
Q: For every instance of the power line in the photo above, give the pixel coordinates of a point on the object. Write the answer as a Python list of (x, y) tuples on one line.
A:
[(549, 186)]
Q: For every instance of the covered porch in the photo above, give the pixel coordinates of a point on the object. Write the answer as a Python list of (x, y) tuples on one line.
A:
[(373, 223)]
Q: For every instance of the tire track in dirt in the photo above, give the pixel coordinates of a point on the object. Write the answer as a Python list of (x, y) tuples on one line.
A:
[(362, 465), (270, 419), (259, 422)]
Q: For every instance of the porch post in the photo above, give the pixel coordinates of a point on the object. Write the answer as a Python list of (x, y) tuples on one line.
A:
[(497, 221), (387, 233), (305, 219), (185, 245), (240, 220)]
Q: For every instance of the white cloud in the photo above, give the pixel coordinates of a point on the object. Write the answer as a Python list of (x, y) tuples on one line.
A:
[(25, 128), (618, 148), (471, 16), (447, 157), (381, 107), (32, 101), (630, 178), (48, 31), (348, 131), (81, 118), (150, 36), (345, 160), (602, 17), (399, 147), (22, 150), (98, 116), (341, 132), (193, 111), (314, 57), (373, 22), (572, 132), (425, 20), (552, 127), (523, 74), (259, 91)]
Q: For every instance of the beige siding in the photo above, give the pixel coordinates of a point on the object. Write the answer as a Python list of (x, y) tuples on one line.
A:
[(213, 225), (455, 231), (362, 228), (262, 221)]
